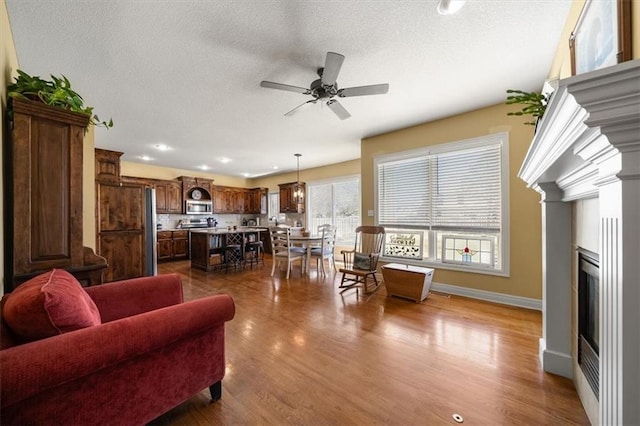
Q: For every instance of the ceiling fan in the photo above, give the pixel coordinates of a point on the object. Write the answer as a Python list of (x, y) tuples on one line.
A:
[(326, 88)]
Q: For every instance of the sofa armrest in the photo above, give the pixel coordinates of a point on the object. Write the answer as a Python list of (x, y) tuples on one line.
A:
[(80, 353), (126, 298)]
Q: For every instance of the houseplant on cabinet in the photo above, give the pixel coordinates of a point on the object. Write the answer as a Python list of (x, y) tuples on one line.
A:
[(56, 92), (534, 104)]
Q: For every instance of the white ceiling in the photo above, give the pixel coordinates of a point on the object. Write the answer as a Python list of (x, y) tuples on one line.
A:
[(186, 73)]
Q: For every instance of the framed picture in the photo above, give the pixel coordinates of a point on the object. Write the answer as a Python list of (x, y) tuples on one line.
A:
[(602, 36)]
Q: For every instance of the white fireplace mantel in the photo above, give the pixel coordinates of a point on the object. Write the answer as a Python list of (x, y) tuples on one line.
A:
[(588, 145)]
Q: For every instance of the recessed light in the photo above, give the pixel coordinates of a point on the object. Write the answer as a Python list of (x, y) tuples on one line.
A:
[(224, 160), (246, 174), (161, 147), (203, 167), (145, 158), (449, 7), (275, 167)]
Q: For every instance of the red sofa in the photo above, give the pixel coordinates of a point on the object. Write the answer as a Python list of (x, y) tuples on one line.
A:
[(150, 353)]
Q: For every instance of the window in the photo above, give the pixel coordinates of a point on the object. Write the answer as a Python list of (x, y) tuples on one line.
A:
[(446, 204), (336, 202), (274, 206)]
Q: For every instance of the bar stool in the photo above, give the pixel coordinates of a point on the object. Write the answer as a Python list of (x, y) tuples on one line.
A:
[(254, 253), (233, 256)]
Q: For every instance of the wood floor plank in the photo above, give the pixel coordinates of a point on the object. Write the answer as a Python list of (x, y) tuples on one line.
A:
[(300, 352)]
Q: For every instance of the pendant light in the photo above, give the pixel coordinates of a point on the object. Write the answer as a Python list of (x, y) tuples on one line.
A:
[(298, 189)]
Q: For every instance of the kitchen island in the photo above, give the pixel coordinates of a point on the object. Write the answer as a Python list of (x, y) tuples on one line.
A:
[(209, 246)]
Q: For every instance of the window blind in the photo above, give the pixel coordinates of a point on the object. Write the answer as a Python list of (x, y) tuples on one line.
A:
[(467, 190), (456, 190), (403, 186)]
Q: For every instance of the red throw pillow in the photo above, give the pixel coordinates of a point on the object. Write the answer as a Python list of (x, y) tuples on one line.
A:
[(47, 305)]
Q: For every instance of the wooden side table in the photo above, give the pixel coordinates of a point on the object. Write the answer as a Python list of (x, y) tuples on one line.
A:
[(409, 282)]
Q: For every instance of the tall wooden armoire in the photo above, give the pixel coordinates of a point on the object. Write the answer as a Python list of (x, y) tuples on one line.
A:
[(43, 200)]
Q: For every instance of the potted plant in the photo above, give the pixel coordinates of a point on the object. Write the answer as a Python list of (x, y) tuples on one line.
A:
[(57, 93), (534, 104)]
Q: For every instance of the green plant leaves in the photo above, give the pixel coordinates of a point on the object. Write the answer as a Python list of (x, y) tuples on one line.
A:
[(534, 103), (57, 92)]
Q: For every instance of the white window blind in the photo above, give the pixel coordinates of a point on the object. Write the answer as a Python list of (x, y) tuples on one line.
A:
[(403, 186), (458, 190), (466, 191)]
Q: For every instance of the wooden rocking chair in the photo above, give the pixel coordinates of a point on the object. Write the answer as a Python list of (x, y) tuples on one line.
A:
[(361, 263)]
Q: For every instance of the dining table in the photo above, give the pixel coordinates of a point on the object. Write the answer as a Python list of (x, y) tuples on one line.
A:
[(308, 242)]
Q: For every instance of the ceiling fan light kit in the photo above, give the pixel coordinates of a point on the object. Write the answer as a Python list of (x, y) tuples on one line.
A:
[(326, 88)]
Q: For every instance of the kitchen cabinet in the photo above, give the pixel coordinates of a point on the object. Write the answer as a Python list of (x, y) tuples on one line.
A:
[(43, 195), (164, 245), (228, 199), (257, 201), (121, 228), (190, 183), (287, 203), (172, 245), (180, 244), (168, 197)]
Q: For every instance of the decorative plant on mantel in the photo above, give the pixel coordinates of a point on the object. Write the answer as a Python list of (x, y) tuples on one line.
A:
[(56, 93), (534, 104)]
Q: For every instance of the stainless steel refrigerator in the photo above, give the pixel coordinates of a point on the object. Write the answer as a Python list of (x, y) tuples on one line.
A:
[(150, 239)]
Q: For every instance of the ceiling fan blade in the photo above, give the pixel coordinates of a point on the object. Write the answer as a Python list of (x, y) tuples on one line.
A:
[(287, 87), (374, 89), (293, 111), (338, 109), (332, 65)]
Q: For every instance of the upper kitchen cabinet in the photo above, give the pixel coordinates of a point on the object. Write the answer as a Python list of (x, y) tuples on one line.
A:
[(227, 199), (288, 204), (107, 164), (168, 197), (258, 200), (195, 189), (190, 183)]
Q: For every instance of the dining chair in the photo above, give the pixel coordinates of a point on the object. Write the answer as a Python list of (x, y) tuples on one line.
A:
[(326, 249), (281, 249), (324, 226), (361, 263)]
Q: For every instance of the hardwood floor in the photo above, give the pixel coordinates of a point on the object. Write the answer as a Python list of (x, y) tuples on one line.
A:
[(300, 352)]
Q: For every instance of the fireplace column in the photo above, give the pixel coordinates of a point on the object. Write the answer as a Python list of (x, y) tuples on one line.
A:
[(555, 344), (613, 103)]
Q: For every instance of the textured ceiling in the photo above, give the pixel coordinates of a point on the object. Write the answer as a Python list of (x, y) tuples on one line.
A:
[(187, 73)]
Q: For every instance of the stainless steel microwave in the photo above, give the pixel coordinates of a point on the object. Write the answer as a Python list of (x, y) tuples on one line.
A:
[(198, 207)]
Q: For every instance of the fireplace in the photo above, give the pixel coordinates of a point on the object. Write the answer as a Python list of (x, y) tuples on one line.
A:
[(587, 146), (589, 317)]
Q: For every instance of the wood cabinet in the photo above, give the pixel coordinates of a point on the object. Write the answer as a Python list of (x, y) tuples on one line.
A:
[(164, 245), (287, 202), (168, 196), (227, 200), (43, 172), (180, 244), (121, 228), (190, 183), (258, 200), (173, 245)]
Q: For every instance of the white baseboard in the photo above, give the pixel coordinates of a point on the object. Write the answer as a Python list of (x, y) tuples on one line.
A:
[(555, 362), (490, 296)]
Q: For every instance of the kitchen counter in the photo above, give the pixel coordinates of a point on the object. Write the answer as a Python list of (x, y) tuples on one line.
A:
[(208, 244), (238, 230)]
